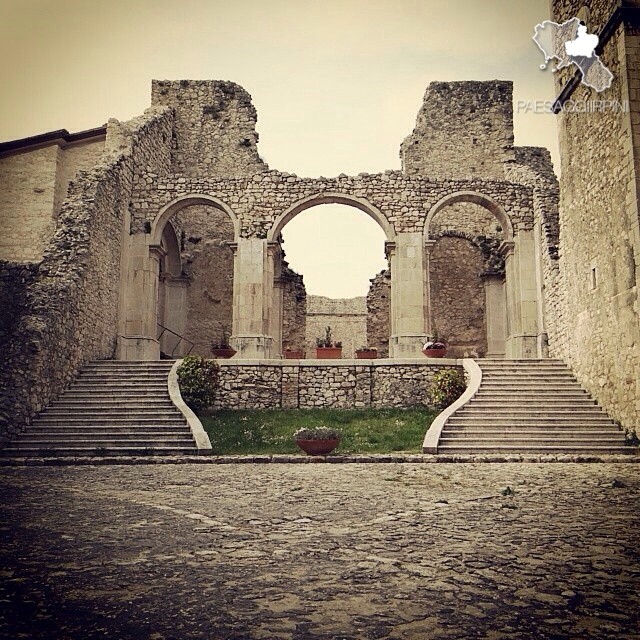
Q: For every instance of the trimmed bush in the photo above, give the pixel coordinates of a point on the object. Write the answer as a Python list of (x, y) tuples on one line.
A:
[(198, 379), (448, 385)]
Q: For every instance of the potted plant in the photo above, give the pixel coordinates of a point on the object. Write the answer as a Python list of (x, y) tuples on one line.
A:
[(293, 354), (435, 348), (318, 441), (221, 348), (326, 348), (366, 353)]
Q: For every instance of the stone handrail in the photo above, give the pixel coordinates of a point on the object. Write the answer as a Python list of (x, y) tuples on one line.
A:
[(197, 430), (431, 439)]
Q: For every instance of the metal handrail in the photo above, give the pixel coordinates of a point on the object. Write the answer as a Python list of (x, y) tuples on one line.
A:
[(182, 338)]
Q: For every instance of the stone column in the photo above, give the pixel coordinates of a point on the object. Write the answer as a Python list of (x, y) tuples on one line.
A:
[(276, 307), (523, 297), (496, 314), (139, 302), (409, 298), (252, 298)]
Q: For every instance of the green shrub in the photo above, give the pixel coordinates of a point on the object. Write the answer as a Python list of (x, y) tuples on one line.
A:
[(198, 379), (448, 385)]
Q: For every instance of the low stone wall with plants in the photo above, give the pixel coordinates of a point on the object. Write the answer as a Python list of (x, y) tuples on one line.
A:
[(344, 384)]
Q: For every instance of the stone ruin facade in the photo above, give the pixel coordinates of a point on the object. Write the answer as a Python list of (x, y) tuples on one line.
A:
[(172, 220)]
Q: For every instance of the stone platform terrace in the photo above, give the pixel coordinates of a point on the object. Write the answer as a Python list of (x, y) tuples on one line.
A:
[(411, 551)]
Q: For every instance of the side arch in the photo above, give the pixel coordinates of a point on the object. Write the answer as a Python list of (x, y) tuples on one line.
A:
[(331, 198), (169, 210), (477, 198)]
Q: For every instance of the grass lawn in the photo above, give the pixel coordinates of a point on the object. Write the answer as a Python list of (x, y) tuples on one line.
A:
[(363, 430)]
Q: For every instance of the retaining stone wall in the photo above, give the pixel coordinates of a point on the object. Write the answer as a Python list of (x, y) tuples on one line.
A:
[(339, 385)]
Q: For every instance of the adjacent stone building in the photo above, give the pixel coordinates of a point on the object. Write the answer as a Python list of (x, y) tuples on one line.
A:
[(594, 308), (163, 235)]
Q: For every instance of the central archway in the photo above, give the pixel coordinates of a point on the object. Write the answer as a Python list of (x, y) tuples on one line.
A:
[(331, 198), (296, 326)]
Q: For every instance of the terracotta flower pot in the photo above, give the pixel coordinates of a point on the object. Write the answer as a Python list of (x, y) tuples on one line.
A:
[(435, 353), (366, 354), (294, 354), (318, 447), (329, 353), (223, 353)]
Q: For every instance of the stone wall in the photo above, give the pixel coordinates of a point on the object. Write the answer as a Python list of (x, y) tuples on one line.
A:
[(214, 132), (463, 129), (207, 261), (457, 296), (599, 249), (70, 313), (467, 217), (378, 313), (346, 385), (347, 318), (294, 309), (259, 201)]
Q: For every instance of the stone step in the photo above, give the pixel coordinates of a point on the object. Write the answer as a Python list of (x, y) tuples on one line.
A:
[(480, 449), (102, 419), (549, 430), (507, 383), (526, 436), (548, 407), (125, 450), (484, 410), (123, 404), (578, 395), (547, 423), (135, 441), (532, 441), (128, 383), (83, 394), (90, 433)]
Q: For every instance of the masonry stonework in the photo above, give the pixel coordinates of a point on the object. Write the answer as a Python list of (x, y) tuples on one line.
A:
[(123, 251), (599, 265), (347, 318), (346, 384)]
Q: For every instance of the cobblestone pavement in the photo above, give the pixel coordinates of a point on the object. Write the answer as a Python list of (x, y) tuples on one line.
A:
[(320, 551)]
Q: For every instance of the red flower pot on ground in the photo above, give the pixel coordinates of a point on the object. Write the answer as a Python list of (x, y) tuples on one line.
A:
[(318, 441)]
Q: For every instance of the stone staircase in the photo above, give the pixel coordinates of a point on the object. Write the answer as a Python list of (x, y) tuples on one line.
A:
[(113, 408), (530, 407)]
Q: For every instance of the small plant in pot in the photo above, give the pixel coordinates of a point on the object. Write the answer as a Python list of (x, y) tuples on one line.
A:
[(221, 348), (326, 348), (318, 441), (435, 347), (366, 353)]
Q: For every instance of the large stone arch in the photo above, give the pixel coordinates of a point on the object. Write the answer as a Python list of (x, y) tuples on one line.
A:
[(144, 297), (169, 210), (477, 198), (331, 198), (513, 298), (276, 310)]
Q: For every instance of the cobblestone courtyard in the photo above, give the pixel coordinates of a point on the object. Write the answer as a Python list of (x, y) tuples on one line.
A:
[(165, 552)]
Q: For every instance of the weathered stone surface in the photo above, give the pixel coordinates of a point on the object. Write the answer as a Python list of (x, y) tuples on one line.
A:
[(347, 318), (597, 310), (320, 551), (345, 385)]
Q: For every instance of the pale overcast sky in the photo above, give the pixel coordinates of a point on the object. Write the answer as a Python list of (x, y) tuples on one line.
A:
[(336, 83)]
